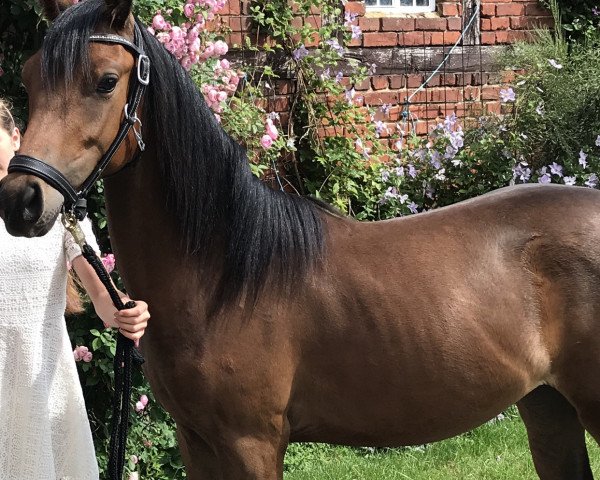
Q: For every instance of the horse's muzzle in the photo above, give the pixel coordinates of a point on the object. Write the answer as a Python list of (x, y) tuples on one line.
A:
[(22, 206)]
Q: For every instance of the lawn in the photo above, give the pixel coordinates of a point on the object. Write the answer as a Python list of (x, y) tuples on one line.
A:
[(495, 451)]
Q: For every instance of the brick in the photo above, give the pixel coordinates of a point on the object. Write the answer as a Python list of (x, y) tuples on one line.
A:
[(490, 92), (526, 23), (455, 24), (397, 24), (380, 82), (355, 7), (397, 81), (435, 24), (414, 80), (369, 24), (488, 38), (436, 38), (449, 10), (314, 22), (451, 38), (235, 7), (519, 36), (488, 10), (411, 38), (381, 97), (380, 39), (535, 9), (500, 23), (510, 9), (285, 87), (363, 86), (502, 37), (486, 24)]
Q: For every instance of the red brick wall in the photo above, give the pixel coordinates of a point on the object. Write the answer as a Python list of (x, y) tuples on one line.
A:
[(393, 42)]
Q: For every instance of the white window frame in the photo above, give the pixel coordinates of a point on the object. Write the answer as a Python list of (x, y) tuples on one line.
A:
[(395, 7)]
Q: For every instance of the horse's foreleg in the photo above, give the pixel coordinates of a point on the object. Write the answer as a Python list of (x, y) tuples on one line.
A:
[(199, 459), (253, 456), (556, 437)]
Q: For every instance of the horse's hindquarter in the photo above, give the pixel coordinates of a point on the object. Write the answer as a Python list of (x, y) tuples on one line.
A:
[(430, 325)]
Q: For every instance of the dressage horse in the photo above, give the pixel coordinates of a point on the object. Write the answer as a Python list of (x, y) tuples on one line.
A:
[(276, 320)]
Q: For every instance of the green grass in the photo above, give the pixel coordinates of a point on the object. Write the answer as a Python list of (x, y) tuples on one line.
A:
[(495, 451)]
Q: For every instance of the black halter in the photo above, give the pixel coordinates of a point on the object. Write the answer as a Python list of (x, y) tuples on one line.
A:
[(75, 201)]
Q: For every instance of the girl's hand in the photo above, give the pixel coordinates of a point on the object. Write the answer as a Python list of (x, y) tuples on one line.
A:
[(132, 322)]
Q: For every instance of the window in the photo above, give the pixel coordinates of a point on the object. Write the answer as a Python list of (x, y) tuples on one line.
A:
[(403, 6)]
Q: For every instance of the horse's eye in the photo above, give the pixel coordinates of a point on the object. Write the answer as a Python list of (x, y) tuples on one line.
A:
[(107, 84)]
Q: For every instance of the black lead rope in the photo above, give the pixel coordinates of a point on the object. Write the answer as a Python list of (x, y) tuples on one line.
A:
[(125, 356)]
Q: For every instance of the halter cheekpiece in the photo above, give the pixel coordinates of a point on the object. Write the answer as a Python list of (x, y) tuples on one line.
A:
[(75, 201)]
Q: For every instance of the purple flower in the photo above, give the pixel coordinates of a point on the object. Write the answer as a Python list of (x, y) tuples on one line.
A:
[(412, 171), (596, 11), (356, 32), (570, 180), (592, 182), (349, 18), (583, 159), (350, 95), (335, 46), (385, 175), (380, 127), (413, 207), (385, 109), (598, 141), (389, 194), (556, 169), (399, 171), (507, 95), (555, 64), (429, 191), (338, 77), (450, 121), (435, 160), (300, 53), (545, 178), (522, 172)]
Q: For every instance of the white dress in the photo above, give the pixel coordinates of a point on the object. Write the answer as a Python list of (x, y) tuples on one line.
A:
[(44, 429)]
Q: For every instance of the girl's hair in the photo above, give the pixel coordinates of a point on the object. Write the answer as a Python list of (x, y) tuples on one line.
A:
[(7, 122), (74, 300)]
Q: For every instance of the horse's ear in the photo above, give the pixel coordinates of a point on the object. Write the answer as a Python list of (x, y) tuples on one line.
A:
[(118, 12), (53, 8)]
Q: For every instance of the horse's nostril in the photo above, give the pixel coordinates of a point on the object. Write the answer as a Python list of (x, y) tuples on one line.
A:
[(32, 203)]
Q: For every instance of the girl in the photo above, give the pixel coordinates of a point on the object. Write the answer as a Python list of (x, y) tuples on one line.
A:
[(44, 430)]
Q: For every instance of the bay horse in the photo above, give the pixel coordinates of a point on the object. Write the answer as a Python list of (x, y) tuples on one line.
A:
[(276, 320)]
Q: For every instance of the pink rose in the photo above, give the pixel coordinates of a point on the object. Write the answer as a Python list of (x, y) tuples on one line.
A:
[(139, 406), (158, 22), (109, 262), (266, 141), (81, 352), (134, 459), (271, 129), (188, 10), (134, 476), (87, 357), (221, 96), (144, 400), (221, 48)]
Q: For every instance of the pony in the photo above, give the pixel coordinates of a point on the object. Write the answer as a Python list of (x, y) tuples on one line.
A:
[(277, 320)]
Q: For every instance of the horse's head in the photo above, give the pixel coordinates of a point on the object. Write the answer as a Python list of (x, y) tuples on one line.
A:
[(79, 83)]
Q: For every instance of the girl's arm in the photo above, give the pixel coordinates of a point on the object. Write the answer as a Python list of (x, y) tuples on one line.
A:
[(130, 322)]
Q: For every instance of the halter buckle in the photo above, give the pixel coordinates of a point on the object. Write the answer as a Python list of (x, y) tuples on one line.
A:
[(143, 69)]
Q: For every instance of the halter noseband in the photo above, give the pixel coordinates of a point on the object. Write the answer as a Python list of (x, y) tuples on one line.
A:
[(75, 201)]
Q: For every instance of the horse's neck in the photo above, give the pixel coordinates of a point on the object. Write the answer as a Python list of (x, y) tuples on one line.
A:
[(143, 233)]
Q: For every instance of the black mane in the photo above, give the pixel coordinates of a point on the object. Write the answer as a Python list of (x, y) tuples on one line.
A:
[(265, 234)]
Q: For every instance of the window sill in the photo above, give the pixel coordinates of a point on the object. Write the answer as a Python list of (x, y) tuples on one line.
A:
[(389, 13)]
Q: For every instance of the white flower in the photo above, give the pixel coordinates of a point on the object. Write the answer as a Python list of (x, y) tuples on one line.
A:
[(555, 64)]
